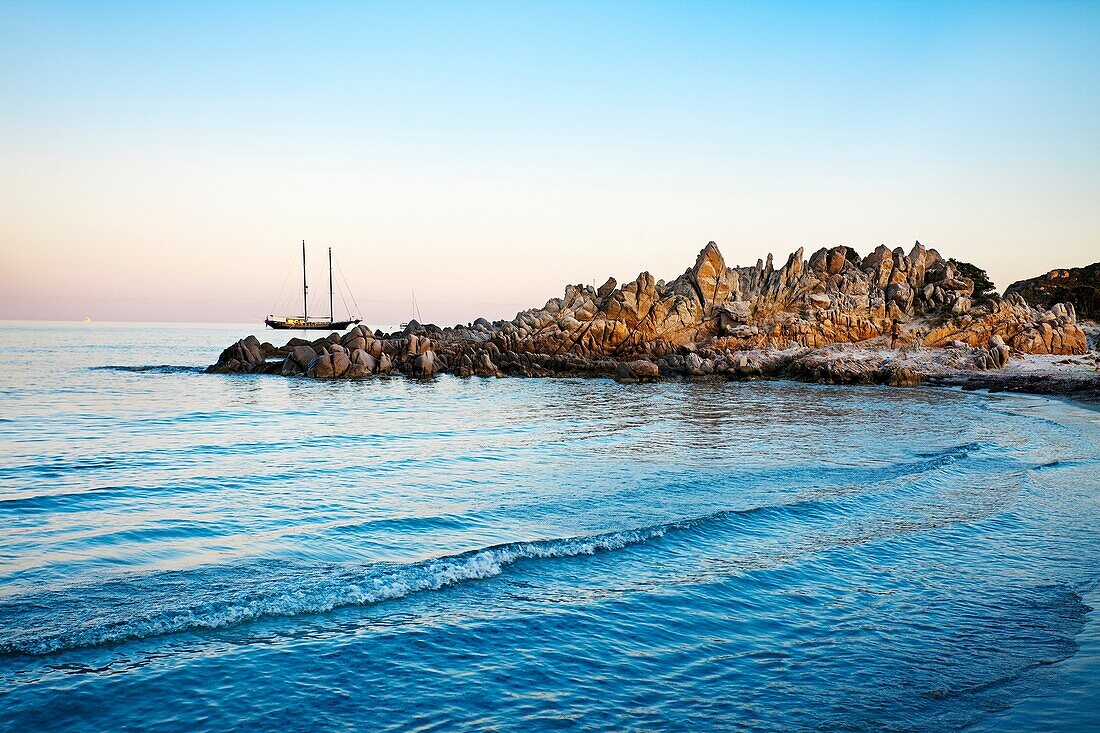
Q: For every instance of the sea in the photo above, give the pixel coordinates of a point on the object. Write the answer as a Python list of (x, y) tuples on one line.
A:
[(184, 551)]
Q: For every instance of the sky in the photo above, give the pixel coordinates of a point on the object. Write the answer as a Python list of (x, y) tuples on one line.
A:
[(163, 161)]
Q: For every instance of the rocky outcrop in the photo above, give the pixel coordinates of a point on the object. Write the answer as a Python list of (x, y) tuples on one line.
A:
[(1077, 285), (833, 297), (1025, 329), (246, 355), (711, 321)]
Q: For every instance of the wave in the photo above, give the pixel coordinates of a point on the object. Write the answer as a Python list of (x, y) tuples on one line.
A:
[(150, 368), (225, 596), (126, 610), (1064, 463), (380, 583)]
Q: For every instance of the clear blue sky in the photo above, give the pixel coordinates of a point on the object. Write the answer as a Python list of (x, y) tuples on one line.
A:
[(161, 160)]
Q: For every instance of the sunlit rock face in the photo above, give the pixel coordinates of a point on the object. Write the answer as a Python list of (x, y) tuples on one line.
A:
[(1024, 328), (834, 297)]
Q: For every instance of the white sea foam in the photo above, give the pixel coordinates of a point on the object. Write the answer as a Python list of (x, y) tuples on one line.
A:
[(377, 584), (151, 605)]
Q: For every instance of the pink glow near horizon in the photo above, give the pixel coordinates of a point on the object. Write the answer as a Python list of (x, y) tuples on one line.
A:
[(164, 165)]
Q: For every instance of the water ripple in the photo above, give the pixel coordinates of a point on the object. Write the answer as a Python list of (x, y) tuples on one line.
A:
[(524, 554)]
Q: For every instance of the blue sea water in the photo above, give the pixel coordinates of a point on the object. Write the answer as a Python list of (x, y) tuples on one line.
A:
[(182, 551)]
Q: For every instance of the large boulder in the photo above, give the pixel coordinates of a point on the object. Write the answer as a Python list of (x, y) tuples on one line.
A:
[(361, 358), (485, 367), (900, 293), (321, 367), (300, 357), (424, 365), (356, 370), (340, 363), (355, 342), (246, 355), (695, 365)]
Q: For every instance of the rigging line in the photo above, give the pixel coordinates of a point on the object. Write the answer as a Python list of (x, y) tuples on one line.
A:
[(358, 313), (279, 298), (342, 298), (347, 287)]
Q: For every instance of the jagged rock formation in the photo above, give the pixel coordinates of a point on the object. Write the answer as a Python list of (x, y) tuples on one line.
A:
[(1077, 285), (835, 297), (1023, 328), (711, 320)]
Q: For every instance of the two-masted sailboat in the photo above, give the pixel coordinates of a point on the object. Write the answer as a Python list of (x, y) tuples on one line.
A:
[(303, 322)]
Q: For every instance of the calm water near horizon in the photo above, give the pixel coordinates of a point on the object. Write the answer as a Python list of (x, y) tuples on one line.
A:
[(183, 551)]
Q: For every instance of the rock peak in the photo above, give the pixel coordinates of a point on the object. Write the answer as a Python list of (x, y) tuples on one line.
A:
[(711, 278)]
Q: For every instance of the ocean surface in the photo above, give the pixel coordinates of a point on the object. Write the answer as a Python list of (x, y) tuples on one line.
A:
[(182, 551)]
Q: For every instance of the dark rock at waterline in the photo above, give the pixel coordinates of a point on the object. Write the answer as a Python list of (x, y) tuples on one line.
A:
[(639, 370), (357, 370), (245, 355), (1080, 387)]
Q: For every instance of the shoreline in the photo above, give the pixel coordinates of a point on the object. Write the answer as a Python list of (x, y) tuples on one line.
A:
[(1086, 397), (826, 319), (1069, 379), (1050, 708)]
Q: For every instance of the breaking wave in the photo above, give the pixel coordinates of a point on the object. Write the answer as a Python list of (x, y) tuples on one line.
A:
[(148, 606), (384, 582)]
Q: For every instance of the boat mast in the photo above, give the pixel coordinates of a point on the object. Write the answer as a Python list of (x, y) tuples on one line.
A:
[(305, 287), (330, 285)]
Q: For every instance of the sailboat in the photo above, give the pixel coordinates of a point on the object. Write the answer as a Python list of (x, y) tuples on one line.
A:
[(419, 318), (303, 322)]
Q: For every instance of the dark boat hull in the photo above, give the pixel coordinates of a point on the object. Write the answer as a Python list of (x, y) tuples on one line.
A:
[(301, 324)]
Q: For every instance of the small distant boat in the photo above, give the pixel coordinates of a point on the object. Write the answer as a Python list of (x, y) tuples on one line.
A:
[(416, 307), (304, 322)]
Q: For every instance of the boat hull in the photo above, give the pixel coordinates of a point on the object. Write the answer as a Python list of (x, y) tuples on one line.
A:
[(301, 324)]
